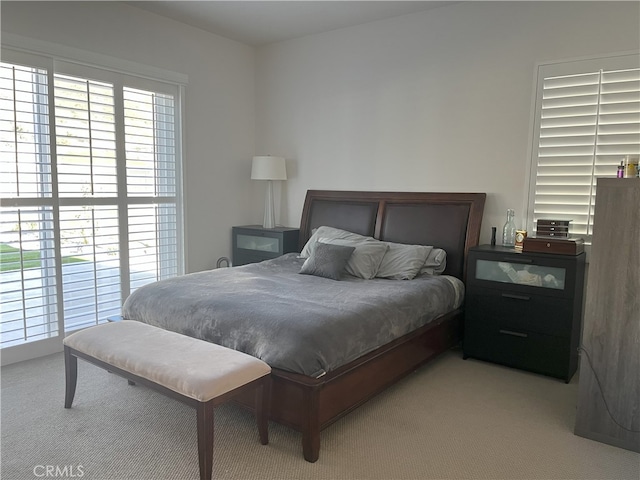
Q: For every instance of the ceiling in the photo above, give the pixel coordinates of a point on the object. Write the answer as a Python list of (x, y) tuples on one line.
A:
[(262, 22)]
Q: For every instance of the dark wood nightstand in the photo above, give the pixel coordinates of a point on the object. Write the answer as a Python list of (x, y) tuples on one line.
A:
[(524, 310), (253, 243)]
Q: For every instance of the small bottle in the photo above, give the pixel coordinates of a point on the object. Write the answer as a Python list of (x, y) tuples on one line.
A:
[(631, 166), (621, 170), (509, 230)]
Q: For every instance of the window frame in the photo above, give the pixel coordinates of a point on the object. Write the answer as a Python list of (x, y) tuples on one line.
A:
[(122, 201)]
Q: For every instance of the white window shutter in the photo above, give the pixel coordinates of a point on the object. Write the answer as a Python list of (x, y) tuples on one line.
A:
[(586, 124), (85, 137), (28, 308), (150, 121)]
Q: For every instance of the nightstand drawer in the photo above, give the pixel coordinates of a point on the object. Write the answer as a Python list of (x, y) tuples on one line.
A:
[(495, 309), (531, 351), (258, 242)]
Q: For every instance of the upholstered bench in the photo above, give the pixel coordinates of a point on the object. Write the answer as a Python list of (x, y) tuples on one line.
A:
[(198, 373)]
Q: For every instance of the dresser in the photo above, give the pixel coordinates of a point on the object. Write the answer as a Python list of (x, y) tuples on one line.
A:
[(524, 310), (253, 243), (609, 389)]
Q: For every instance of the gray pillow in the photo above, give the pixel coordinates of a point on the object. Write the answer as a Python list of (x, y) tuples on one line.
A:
[(435, 263), (329, 233), (403, 262), (328, 261), (366, 259)]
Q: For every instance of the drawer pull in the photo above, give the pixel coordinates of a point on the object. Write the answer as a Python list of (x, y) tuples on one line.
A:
[(516, 297), (515, 334)]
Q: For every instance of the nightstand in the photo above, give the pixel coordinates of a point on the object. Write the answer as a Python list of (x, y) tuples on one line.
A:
[(524, 310), (253, 243)]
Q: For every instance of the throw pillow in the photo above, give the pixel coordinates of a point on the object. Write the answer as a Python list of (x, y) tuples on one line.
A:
[(366, 259), (328, 261)]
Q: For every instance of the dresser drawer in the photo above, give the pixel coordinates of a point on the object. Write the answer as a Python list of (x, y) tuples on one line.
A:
[(549, 275), (531, 351), (496, 309)]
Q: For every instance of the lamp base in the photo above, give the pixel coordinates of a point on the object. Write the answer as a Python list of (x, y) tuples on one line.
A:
[(269, 210)]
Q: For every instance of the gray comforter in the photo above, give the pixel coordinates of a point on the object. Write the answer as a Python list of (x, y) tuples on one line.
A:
[(299, 323)]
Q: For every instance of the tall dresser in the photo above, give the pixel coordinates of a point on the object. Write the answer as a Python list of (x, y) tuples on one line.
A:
[(609, 389)]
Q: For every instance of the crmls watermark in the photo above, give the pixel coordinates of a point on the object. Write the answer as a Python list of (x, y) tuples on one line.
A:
[(58, 471)]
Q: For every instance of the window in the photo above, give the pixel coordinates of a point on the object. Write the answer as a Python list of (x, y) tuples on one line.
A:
[(587, 120), (90, 198)]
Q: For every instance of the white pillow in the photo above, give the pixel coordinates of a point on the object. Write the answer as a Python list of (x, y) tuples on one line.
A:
[(435, 263), (403, 262), (329, 233), (365, 259)]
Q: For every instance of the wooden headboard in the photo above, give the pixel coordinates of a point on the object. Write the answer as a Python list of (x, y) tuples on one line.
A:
[(450, 221)]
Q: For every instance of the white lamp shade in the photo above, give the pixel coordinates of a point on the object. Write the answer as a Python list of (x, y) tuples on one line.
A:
[(266, 167)]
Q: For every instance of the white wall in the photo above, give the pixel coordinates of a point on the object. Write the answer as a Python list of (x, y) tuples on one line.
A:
[(220, 102), (435, 101)]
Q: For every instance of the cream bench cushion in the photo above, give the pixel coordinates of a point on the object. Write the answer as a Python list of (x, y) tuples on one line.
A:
[(186, 365)]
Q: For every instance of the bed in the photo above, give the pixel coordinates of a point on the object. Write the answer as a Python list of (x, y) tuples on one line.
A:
[(329, 357)]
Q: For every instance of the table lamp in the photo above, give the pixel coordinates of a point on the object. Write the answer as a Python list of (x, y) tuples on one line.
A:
[(266, 167)]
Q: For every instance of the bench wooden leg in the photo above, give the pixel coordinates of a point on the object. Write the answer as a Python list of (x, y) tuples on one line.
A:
[(205, 439), (71, 376), (263, 400)]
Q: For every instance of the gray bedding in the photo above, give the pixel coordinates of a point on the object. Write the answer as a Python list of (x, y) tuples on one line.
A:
[(299, 323)]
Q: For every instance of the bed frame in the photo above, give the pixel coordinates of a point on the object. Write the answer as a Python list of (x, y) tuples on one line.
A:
[(447, 220)]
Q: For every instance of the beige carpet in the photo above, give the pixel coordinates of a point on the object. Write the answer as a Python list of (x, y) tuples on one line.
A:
[(453, 419)]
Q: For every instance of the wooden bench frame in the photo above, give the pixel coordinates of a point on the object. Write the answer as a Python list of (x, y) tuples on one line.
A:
[(205, 426)]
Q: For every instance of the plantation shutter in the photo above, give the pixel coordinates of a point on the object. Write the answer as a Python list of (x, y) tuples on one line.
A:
[(120, 213), (586, 124), (29, 305), (149, 119), (88, 229)]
